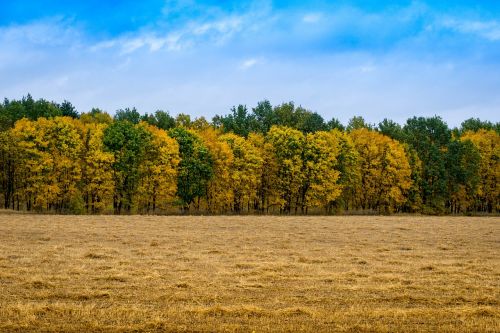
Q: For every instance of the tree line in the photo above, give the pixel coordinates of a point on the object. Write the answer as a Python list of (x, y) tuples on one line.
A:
[(271, 159)]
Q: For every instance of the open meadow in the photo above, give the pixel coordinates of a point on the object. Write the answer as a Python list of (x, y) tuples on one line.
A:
[(244, 274)]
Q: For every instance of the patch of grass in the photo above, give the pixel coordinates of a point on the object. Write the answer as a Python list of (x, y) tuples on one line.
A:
[(244, 274)]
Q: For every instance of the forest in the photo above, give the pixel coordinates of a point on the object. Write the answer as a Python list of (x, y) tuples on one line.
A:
[(282, 159)]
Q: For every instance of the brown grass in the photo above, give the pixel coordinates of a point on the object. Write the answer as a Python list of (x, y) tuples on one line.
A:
[(244, 274)]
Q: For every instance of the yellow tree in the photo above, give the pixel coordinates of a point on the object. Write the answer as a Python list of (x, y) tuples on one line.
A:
[(287, 146), (9, 163), (348, 165), (158, 171), (97, 169), (487, 143), (385, 171), (245, 171), (268, 195), (320, 178), (51, 168), (219, 196)]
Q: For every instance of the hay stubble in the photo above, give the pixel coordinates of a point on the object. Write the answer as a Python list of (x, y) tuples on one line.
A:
[(346, 274)]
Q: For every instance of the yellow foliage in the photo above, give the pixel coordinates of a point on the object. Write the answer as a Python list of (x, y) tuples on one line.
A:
[(50, 166), (488, 144), (219, 196), (158, 172), (98, 184), (320, 186), (245, 171), (385, 171)]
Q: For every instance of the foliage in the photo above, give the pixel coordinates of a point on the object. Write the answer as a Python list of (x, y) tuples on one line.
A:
[(129, 144), (385, 171), (430, 138), (281, 159), (158, 171), (487, 143), (195, 168)]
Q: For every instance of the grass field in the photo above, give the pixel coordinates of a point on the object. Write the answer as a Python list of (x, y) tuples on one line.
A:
[(315, 274)]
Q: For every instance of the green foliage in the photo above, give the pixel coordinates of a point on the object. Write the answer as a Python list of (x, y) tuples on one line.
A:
[(238, 121), (357, 122), (462, 165), (265, 117), (334, 123), (476, 124), (271, 159), (430, 138), (391, 129), (127, 114), (128, 143), (27, 107), (160, 119), (195, 169), (68, 110)]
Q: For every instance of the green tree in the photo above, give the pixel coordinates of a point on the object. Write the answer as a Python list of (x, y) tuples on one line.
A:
[(131, 115), (334, 123), (476, 124), (239, 121), (264, 116), (68, 110), (128, 143), (462, 165), (391, 129), (430, 138), (160, 119), (357, 122), (195, 169)]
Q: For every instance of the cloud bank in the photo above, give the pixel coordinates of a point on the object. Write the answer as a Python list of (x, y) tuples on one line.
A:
[(201, 58)]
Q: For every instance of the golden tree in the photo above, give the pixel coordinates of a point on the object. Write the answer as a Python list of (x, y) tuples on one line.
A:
[(320, 178), (488, 144), (158, 171), (219, 196), (385, 171), (245, 171)]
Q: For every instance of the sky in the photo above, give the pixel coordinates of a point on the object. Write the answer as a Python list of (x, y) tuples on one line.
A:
[(375, 58)]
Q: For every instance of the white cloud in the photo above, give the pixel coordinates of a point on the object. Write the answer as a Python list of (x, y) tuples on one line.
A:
[(217, 31), (312, 18), (367, 68), (256, 55), (51, 32), (249, 63), (486, 29)]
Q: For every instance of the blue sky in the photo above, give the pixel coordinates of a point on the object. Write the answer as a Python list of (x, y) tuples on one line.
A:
[(377, 59)]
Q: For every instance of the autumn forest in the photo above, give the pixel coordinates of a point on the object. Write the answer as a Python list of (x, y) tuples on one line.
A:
[(268, 159)]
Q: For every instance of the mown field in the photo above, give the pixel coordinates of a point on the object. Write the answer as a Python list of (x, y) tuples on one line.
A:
[(205, 274)]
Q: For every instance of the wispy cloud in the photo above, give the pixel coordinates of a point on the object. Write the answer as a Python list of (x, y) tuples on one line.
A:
[(339, 60), (312, 18), (193, 33), (46, 32), (249, 63), (486, 29)]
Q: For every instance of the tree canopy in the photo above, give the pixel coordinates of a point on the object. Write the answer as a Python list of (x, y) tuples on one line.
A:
[(284, 159)]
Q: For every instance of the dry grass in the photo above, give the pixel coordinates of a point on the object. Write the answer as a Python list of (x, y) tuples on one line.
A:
[(345, 274)]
